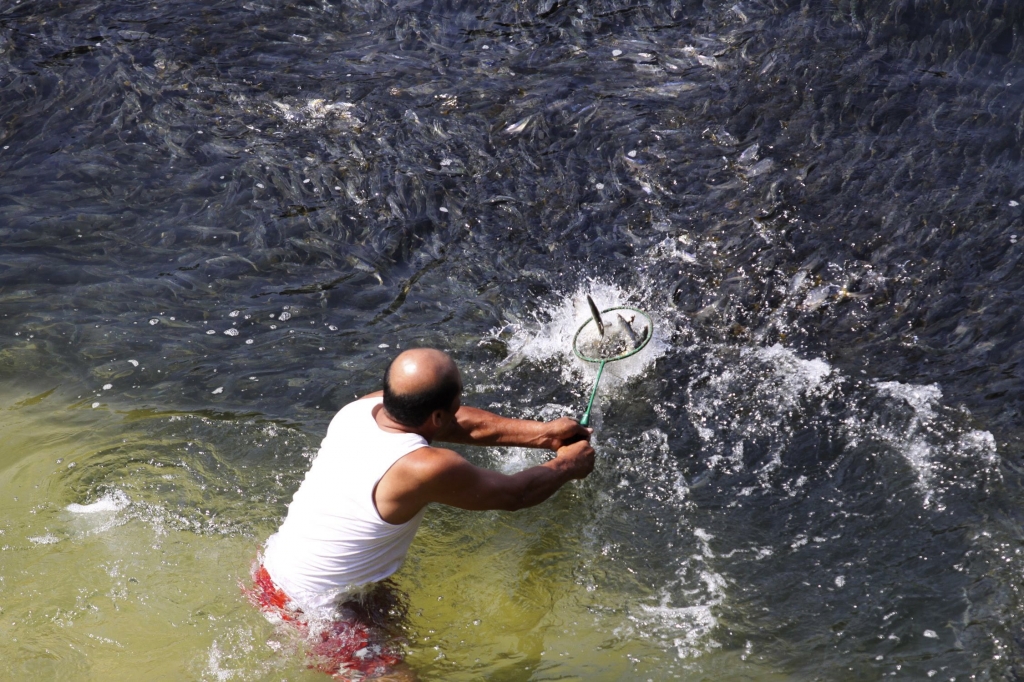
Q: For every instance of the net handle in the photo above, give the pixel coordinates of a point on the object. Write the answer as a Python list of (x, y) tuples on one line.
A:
[(585, 421)]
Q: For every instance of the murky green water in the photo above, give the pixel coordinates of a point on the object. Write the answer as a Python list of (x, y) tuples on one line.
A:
[(145, 581)]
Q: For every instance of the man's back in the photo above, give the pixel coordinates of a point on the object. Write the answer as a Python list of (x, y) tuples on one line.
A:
[(333, 540)]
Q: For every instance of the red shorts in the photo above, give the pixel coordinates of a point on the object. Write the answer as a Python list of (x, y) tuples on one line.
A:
[(362, 639)]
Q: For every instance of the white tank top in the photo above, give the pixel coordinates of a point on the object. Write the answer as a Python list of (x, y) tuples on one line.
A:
[(333, 540)]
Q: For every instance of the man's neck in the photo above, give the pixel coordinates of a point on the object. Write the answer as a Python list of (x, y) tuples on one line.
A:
[(386, 423)]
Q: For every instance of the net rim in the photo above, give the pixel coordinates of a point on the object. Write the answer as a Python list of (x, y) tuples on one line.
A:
[(620, 356)]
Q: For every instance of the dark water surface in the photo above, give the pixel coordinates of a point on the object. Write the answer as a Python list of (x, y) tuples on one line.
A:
[(219, 220)]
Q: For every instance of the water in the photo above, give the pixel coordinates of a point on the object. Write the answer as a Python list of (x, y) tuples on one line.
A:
[(218, 222)]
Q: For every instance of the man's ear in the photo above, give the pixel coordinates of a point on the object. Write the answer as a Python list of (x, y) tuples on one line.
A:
[(437, 418)]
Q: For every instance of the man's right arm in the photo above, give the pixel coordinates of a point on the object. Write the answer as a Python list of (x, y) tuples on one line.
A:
[(473, 426), (443, 476)]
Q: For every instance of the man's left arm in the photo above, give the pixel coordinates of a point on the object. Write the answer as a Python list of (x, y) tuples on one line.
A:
[(473, 426)]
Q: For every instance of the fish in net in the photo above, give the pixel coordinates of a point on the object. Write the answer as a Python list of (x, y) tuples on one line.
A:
[(621, 335)]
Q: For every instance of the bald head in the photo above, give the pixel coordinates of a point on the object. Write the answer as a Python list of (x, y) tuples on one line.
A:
[(418, 382)]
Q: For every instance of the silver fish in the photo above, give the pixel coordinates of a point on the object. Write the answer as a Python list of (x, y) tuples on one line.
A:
[(596, 315), (634, 340), (637, 339)]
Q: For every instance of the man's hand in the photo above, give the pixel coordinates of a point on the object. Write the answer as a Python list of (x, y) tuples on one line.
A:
[(473, 426), (579, 458), (564, 431)]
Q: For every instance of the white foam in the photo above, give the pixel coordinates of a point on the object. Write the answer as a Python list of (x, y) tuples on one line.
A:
[(981, 444), (691, 626), (47, 539), (800, 376), (921, 398), (927, 439), (912, 442), (688, 627), (214, 666), (775, 381), (111, 502)]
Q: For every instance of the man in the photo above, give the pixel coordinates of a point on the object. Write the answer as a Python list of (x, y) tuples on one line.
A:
[(354, 516)]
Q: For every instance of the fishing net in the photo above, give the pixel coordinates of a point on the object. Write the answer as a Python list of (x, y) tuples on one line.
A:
[(626, 332)]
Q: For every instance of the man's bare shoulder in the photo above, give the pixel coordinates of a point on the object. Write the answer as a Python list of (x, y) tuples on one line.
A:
[(419, 475), (429, 462)]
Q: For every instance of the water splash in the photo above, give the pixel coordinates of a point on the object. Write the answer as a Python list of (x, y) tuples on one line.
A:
[(113, 501), (550, 336), (689, 628)]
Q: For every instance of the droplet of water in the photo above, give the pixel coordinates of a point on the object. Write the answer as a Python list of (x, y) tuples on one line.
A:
[(219, 389), (599, 185), (260, 185), (231, 332), (1014, 203), (234, 313), (273, 326), (616, 53), (333, 328), (931, 634), (211, 331), (383, 345), (134, 363), (284, 317), (154, 321), (107, 387), (248, 342), (631, 154), (443, 209), (321, 348), (95, 405)]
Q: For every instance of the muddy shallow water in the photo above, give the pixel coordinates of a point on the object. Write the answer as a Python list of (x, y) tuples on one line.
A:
[(219, 221)]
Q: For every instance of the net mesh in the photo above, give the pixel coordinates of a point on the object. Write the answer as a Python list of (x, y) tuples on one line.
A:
[(624, 333)]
